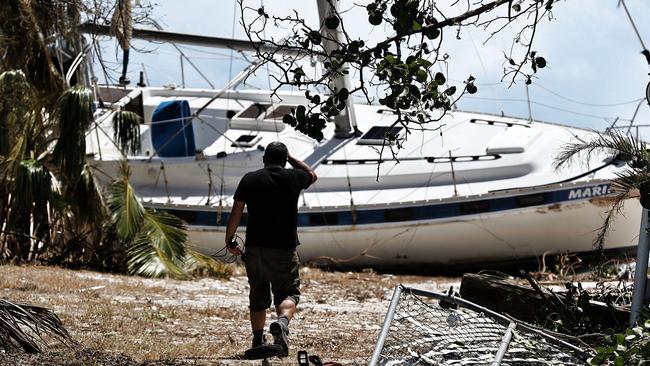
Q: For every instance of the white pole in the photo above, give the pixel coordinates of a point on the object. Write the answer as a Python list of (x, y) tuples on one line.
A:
[(346, 119), (641, 269), (182, 73)]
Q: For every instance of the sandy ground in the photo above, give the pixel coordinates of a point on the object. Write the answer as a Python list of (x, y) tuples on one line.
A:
[(121, 320)]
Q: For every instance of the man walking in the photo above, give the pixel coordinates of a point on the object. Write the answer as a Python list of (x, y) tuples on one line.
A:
[(271, 195)]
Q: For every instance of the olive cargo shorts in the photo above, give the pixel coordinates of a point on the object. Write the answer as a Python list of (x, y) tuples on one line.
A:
[(271, 270)]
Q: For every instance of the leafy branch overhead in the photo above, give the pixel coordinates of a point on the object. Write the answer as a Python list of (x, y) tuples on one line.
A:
[(404, 71)]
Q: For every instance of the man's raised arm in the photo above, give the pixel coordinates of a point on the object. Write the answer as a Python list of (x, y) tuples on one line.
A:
[(298, 164)]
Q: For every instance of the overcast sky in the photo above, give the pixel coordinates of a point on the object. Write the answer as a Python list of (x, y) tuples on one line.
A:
[(592, 52)]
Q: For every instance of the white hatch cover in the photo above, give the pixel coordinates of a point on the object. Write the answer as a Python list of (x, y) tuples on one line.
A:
[(512, 140)]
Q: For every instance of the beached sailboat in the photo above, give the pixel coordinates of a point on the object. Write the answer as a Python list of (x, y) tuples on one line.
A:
[(479, 189)]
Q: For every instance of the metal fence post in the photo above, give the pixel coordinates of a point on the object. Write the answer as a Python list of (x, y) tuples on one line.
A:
[(505, 343), (640, 269), (384, 329)]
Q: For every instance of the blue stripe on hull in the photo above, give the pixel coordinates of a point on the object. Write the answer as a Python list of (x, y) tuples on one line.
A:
[(412, 213)]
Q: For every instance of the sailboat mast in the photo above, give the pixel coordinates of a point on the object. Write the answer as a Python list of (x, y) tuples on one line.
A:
[(345, 121)]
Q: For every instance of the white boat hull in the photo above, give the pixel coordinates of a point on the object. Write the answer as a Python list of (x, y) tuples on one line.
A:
[(479, 189), (493, 237)]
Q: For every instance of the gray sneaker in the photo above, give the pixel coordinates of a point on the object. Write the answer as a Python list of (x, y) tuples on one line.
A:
[(280, 334)]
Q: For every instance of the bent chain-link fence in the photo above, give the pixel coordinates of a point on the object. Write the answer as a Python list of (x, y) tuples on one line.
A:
[(427, 328)]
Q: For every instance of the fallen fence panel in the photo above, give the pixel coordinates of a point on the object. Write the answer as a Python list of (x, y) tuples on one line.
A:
[(428, 328)]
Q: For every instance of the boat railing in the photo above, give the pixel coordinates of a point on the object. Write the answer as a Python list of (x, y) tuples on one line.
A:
[(634, 130)]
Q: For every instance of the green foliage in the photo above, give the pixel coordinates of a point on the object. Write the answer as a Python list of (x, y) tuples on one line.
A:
[(51, 207), (74, 115), (24, 26), (159, 249), (399, 71), (50, 196), (14, 107), (27, 183), (33, 189), (122, 23), (631, 347), (156, 242), (126, 210), (623, 147), (126, 131)]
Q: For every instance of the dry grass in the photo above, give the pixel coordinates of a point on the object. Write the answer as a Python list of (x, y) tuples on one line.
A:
[(204, 321)]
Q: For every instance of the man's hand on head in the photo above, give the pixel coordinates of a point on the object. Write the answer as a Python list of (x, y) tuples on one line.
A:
[(298, 164)]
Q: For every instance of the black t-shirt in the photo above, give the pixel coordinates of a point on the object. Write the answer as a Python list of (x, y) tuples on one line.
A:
[(271, 195)]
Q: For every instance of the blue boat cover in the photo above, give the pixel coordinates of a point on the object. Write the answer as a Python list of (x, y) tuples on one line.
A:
[(167, 120)]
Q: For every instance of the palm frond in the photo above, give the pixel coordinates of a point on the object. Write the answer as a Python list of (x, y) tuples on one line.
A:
[(15, 93), (613, 211), (24, 326), (126, 131), (4, 135), (122, 23), (126, 210), (87, 199), (31, 193), (159, 249), (635, 178), (198, 262), (23, 48), (46, 14), (624, 145), (74, 113)]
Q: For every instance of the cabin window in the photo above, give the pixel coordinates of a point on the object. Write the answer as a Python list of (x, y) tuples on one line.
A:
[(323, 218), (496, 123), (469, 208), (253, 111), (398, 214), (532, 200), (379, 135), (246, 141), (280, 111), (230, 114), (462, 159), (488, 157)]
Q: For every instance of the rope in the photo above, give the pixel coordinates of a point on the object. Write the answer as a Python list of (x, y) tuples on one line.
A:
[(223, 255), (207, 203), (220, 208), (544, 105), (164, 174), (645, 51), (584, 103), (353, 210)]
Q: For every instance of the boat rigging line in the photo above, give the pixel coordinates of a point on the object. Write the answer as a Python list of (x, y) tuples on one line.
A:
[(546, 106), (645, 51), (530, 111), (585, 103)]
